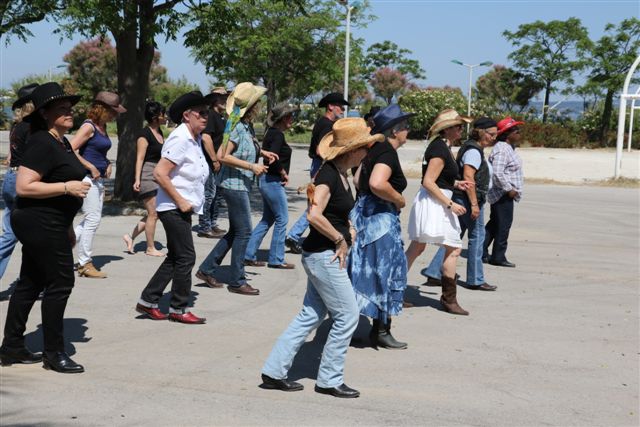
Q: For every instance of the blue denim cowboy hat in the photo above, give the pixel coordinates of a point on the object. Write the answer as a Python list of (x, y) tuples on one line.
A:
[(389, 117)]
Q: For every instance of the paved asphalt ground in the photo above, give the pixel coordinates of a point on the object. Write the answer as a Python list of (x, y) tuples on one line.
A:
[(557, 344)]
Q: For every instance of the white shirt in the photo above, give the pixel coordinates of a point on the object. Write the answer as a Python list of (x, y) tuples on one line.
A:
[(190, 173)]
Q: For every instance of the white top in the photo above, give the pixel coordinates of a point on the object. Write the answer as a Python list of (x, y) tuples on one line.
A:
[(190, 173)]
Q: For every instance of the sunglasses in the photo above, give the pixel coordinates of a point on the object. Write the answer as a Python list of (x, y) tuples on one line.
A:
[(204, 114)]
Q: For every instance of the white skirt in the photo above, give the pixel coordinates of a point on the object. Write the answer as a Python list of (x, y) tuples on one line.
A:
[(430, 222)]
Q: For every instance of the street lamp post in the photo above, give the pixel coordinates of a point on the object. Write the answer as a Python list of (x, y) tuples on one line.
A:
[(52, 67), (349, 6), (471, 67)]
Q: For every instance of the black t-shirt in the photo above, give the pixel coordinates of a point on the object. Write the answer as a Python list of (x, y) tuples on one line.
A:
[(322, 127), (439, 148), (154, 147), (382, 152), (18, 142), (337, 210), (215, 129), (274, 141), (56, 163)]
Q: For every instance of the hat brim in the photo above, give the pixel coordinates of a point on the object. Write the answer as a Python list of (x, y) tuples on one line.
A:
[(445, 124), (72, 98), (391, 123), (511, 125), (324, 102), (20, 102), (176, 115), (231, 100), (286, 112), (328, 152)]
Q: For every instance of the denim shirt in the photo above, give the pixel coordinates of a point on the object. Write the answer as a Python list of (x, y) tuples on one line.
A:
[(245, 149)]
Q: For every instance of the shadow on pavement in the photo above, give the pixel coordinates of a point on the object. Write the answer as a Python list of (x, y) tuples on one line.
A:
[(75, 331), (102, 260), (418, 298)]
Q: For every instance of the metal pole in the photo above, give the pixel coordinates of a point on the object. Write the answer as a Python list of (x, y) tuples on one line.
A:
[(633, 107), (622, 116), (469, 96), (346, 61)]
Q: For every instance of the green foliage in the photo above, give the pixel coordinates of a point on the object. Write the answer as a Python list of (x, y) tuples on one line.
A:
[(427, 103), (553, 135), (550, 52), (504, 90), (15, 15), (37, 78), (167, 91), (293, 52), (388, 54)]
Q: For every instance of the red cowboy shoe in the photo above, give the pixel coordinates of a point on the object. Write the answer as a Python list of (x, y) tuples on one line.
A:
[(152, 313), (188, 318)]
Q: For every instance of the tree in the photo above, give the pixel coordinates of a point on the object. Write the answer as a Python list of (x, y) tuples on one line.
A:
[(168, 90), (292, 52), (506, 90), (15, 15), (427, 103), (549, 52), (610, 59), (388, 54), (387, 83)]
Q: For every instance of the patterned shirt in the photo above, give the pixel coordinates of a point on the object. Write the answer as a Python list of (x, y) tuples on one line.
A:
[(507, 172), (245, 149)]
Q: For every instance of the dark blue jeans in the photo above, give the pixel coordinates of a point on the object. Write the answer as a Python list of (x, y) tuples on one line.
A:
[(209, 218), (497, 229), (236, 239), (274, 212)]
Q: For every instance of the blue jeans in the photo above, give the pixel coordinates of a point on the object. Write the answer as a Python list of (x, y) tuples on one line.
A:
[(236, 238), (274, 212), (8, 240), (302, 223), (209, 218), (475, 270), (328, 291)]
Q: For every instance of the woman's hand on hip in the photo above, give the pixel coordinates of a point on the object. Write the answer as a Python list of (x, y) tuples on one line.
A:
[(185, 206), (77, 188), (400, 203), (341, 254)]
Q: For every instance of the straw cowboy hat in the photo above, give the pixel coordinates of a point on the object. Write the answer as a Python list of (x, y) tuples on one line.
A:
[(347, 135), (47, 93), (446, 119), (279, 112), (244, 96)]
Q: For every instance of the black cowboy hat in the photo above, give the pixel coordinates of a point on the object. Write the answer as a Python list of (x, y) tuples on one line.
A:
[(47, 93), (24, 95), (334, 98), (484, 123), (183, 103), (389, 117), (218, 94)]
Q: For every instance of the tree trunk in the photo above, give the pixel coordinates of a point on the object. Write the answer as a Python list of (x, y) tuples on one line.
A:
[(271, 94), (603, 132), (134, 58), (545, 106)]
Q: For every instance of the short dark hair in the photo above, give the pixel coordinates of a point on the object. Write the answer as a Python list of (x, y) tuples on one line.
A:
[(153, 110)]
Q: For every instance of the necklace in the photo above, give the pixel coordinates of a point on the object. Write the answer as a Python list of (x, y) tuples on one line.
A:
[(56, 137)]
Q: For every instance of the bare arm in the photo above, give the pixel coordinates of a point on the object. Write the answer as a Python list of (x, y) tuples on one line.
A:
[(79, 139), (435, 167), (207, 143), (316, 218), (469, 175), (29, 184), (161, 175), (228, 159), (141, 150), (381, 187)]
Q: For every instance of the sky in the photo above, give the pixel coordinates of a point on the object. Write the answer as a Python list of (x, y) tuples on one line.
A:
[(437, 31)]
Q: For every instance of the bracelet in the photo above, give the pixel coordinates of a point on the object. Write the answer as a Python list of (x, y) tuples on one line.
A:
[(450, 204), (339, 240), (474, 204), (65, 188)]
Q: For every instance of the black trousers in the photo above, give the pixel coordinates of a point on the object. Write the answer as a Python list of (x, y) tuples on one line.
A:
[(497, 229), (178, 263), (47, 264)]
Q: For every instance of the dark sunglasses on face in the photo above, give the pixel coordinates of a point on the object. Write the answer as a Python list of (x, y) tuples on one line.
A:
[(202, 113)]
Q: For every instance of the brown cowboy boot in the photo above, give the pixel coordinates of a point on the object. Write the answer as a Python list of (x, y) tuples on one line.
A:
[(89, 270), (448, 299)]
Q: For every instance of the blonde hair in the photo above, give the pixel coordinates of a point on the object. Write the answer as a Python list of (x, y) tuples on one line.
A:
[(21, 112), (251, 114), (100, 113)]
